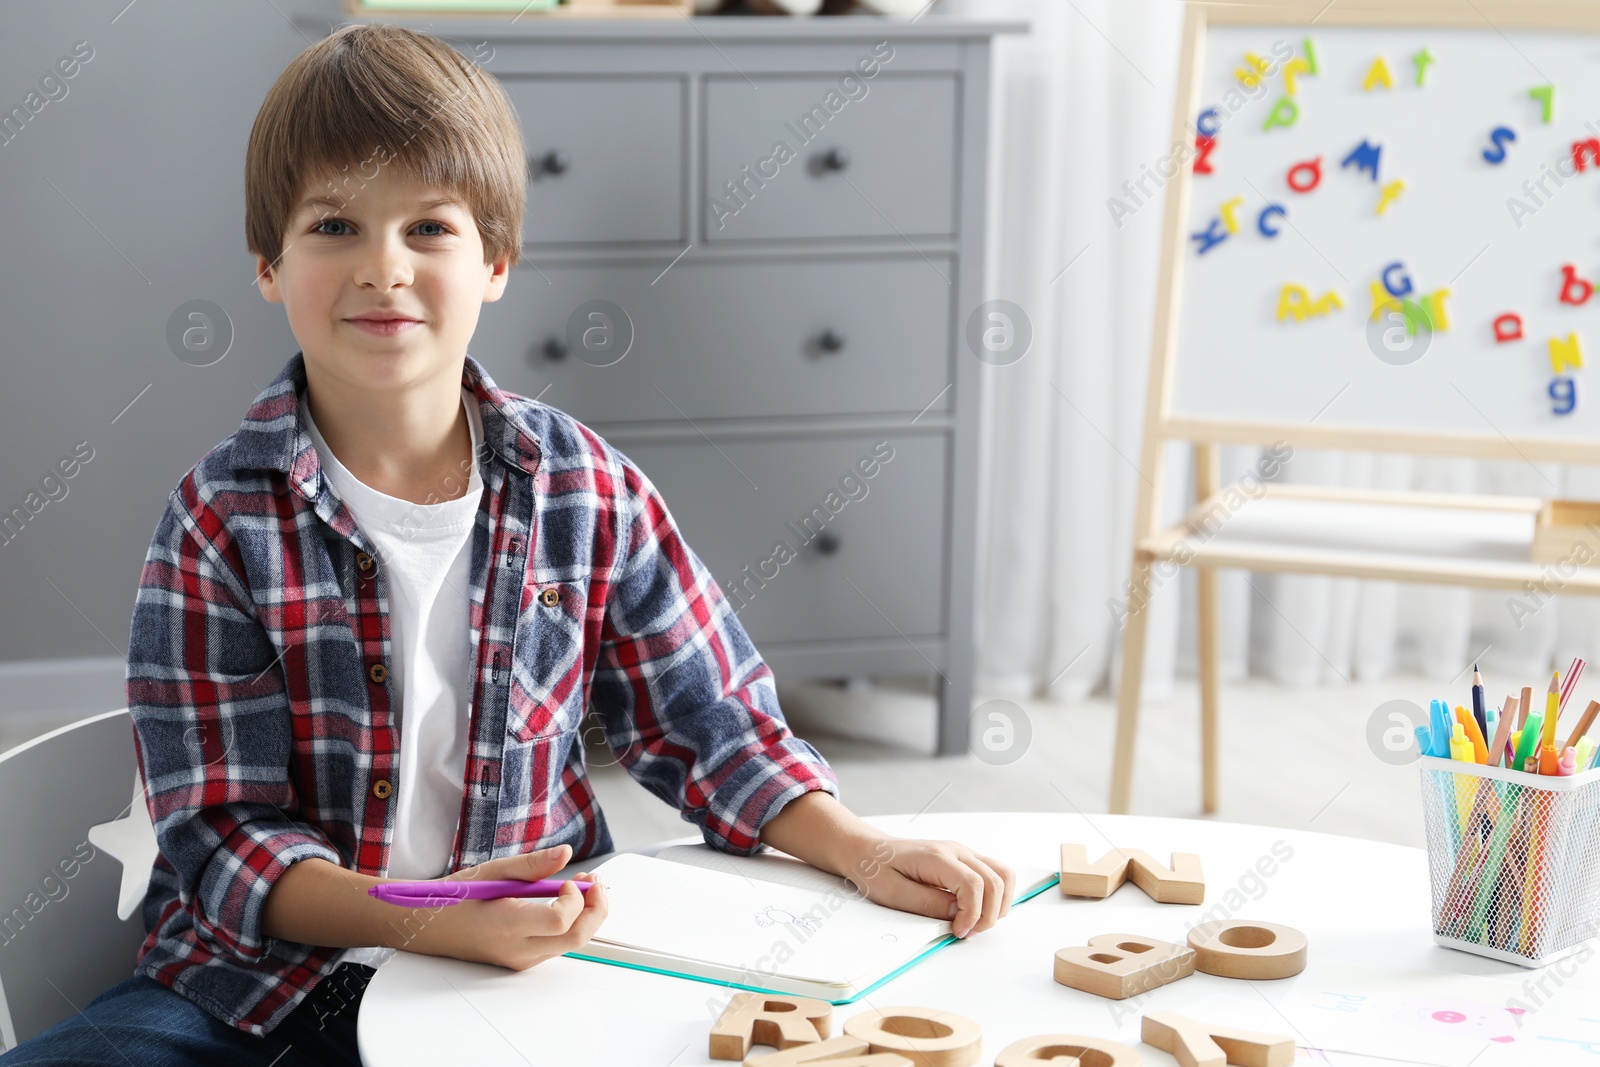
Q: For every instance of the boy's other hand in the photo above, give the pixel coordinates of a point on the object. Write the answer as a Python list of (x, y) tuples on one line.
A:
[(941, 879), (519, 932)]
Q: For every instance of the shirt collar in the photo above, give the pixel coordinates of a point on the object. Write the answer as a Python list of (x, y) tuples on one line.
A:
[(273, 438)]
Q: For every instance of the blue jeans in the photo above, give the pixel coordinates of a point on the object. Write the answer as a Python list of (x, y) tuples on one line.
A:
[(141, 1022)]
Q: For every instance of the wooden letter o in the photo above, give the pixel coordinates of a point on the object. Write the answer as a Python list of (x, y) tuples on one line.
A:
[(1242, 948), (928, 1037)]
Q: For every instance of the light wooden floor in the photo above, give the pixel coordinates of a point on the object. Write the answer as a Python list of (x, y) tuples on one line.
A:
[(1292, 757)]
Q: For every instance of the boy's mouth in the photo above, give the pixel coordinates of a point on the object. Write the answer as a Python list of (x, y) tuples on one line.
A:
[(384, 323)]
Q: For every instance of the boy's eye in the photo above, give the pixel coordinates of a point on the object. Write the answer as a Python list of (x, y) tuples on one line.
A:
[(443, 230)]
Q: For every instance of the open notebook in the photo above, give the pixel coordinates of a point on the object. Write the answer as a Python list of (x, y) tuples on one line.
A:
[(769, 923)]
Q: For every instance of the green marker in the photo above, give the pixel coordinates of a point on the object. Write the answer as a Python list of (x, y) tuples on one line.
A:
[(1528, 743)]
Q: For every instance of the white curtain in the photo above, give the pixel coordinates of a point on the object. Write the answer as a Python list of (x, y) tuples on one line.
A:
[(1083, 111)]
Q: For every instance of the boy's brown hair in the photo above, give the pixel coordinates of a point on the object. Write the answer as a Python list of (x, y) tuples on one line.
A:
[(371, 96)]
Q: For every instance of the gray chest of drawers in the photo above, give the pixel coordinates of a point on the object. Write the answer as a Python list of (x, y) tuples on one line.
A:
[(751, 249)]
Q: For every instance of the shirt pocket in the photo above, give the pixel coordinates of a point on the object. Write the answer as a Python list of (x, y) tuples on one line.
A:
[(547, 691)]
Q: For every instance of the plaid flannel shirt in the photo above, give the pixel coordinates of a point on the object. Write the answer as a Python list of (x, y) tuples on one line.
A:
[(261, 706)]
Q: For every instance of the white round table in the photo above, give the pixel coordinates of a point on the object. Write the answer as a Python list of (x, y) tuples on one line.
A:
[(1357, 901)]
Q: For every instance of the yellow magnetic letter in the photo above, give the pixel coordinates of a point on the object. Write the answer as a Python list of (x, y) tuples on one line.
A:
[(1563, 354), (1290, 69), (1433, 307), (1227, 214), (1391, 191), (1294, 300), (1382, 301), (1252, 77), (1378, 74)]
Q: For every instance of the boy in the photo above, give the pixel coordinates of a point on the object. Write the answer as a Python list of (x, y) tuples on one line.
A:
[(370, 621)]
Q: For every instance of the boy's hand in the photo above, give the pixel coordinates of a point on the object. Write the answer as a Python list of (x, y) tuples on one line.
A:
[(920, 877), (515, 932)]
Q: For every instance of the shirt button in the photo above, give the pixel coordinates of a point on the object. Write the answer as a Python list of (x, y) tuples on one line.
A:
[(550, 598), (364, 562), (381, 789), (378, 673)]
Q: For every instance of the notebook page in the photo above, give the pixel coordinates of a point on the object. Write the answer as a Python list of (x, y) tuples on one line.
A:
[(778, 867), (755, 926), (764, 866)]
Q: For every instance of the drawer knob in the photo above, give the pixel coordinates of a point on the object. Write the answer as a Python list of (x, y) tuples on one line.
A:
[(830, 340), (836, 159), (554, 349), (827, 542), (554, 161)]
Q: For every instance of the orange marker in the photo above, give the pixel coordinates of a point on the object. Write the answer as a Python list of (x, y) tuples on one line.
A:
[(1549, 760), (1480, 748)]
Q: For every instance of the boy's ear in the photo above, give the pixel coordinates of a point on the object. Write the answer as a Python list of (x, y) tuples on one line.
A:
[(267, 280), (499, 274)]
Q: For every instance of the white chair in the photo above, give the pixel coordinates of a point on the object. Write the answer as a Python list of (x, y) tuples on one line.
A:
[(76, 847)]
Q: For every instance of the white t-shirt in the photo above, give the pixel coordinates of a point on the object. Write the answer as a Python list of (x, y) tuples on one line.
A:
[(425, 553)]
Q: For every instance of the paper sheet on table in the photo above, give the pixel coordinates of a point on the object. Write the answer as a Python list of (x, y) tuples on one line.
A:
[(1432, 1017), (726, 918)]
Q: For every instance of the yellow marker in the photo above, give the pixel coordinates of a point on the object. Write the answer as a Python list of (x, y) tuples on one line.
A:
[(1378, 74), (1564, 354), (1390, 192), (1290, 69), (1460, 747)]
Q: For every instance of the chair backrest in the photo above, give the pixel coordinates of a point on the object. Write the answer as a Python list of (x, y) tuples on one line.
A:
[(61, 940)]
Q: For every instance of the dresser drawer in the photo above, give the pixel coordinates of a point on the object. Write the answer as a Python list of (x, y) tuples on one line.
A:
[(890, 541), (883, 165), (605, 158), (728, 339)]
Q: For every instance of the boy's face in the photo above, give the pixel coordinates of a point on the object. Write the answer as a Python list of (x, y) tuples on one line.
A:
[(385, 249)]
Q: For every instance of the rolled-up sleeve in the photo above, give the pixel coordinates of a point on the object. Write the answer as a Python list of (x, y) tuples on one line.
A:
[(689, 705), (211, 719)]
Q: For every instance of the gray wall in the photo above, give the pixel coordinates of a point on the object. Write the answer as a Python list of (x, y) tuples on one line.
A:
[(148, 145)]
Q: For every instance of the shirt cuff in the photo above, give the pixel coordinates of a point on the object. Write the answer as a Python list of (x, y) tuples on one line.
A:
[(749, 797), (244, 870)]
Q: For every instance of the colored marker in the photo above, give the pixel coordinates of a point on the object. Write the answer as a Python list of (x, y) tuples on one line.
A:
[(1528, 741), (1439, 713), (1480, 748), (1568, 764), (1460, 747), (439, 892)]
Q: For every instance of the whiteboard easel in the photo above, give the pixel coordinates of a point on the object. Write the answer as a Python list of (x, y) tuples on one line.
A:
[(1228, 365)]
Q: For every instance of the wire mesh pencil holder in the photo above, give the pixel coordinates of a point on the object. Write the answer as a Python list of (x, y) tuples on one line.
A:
[(1513, 859)]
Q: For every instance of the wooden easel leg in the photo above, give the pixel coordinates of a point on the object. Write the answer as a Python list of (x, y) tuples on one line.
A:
[(1133, 637), (1207, 474), (1209, 670)]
